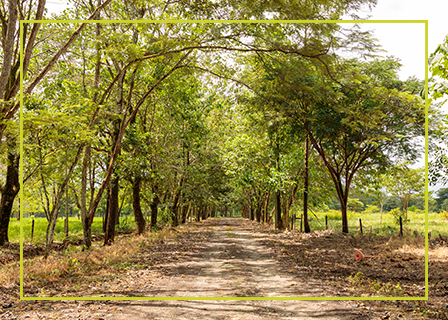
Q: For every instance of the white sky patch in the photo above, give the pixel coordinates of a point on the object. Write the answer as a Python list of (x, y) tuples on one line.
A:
[(57, 6)]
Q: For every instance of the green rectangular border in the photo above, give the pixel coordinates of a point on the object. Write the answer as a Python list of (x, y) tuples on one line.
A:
[(22, 22)]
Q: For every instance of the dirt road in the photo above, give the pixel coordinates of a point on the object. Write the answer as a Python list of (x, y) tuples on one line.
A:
[(235, 264), (231, 262)]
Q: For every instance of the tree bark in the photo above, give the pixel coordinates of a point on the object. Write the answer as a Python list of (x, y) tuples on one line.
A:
[(185, 210), (198, 213), (305, 189), (139, 219), (9, 193), (109, 237), (344, 216), (278, 201), (175, 205), (278, 211), (154, 206), (84, 214), (266, 207), (258, 211), (66, 213), (8, 47)]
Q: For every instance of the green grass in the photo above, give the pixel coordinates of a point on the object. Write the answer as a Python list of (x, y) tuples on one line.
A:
[(371, 222), (74, 227)]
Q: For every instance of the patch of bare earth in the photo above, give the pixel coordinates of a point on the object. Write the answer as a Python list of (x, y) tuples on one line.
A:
[(240, 258)]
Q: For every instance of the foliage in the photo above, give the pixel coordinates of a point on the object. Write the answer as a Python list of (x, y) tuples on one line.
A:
[(444, 214), (406, 183), (438, 65), (355, 205), (397, 214), (438, 62), (211, 116), (371, 209), (390, 289)]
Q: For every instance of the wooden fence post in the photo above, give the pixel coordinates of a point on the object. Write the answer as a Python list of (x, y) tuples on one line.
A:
[(401, 227), (360, 225), (32, 230)]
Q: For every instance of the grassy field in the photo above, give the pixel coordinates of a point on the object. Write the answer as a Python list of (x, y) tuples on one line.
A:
[(74, 226), (371, 222)]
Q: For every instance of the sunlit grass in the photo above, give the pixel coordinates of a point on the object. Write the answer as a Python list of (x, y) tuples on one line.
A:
[(374, 223), (74, 225)]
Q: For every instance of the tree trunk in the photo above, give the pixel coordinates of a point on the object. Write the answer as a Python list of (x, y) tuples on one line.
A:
[(154, 207), (85, 219), (278, 211), (8, 46), (258, 212), (106, 216), (285, 216), (305, 189), (202, 210), (9, 192), (266, 207), (139, 219), (66, 213), (278, 200), (175, 206), (112, 212), (381, 213), (198, 213), (185, 210), (344, 216), (87, 232)]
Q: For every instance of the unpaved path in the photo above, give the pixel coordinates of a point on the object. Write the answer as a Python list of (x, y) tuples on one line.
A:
[(235, 264), (231, 262)]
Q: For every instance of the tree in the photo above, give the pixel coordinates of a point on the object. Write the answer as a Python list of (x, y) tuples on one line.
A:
[(406, 183), (373, 183), (10, 83), (365, 124), (438, 65)]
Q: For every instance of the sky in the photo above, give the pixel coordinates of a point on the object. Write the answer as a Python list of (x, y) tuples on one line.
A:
[(407, 41)]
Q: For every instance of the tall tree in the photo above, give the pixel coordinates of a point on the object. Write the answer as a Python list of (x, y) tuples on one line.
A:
[(10, 78), (365, 124)]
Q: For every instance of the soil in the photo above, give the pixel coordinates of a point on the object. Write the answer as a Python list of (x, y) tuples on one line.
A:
[(231, 257)]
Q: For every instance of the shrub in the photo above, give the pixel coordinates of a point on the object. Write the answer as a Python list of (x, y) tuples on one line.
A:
[(334, 215), (396, 214), (353, 214), (414, 209), (355, 205), (371, 209)]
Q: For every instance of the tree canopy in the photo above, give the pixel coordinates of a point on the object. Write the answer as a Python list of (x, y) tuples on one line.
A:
[(191, 119)]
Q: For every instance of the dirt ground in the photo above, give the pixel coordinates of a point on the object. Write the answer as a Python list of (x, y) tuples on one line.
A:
[(240, 258)]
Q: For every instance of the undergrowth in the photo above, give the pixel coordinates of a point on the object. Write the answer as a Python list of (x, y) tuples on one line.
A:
[(391, 288)]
